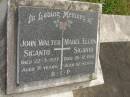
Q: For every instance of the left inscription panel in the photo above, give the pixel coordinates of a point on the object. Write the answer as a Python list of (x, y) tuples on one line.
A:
[(35, 44)]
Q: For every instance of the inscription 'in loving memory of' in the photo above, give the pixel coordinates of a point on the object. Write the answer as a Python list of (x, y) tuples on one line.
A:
[(54, 44), (65, 14)]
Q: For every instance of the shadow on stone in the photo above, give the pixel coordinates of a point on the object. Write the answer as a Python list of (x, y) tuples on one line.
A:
[(115, 60)]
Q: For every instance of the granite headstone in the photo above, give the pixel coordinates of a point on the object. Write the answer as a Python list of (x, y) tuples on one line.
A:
[(54, 44)]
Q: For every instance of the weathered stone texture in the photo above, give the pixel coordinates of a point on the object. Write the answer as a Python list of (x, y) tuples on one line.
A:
[(115, 60), (66, 5), (115, 28), (3, 8)]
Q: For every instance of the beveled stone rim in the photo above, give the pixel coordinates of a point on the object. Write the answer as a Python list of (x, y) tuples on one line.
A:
[(11, 57)]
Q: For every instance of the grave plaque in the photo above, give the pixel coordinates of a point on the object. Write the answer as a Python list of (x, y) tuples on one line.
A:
[(53, 44)]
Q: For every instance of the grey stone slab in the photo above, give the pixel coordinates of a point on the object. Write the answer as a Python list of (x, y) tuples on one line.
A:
[(3, 10), (54, 40), (124, 28), (11, 51), (105, 38), (115, 28)]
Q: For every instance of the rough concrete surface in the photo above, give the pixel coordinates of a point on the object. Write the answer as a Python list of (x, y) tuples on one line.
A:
[(115, 62)]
